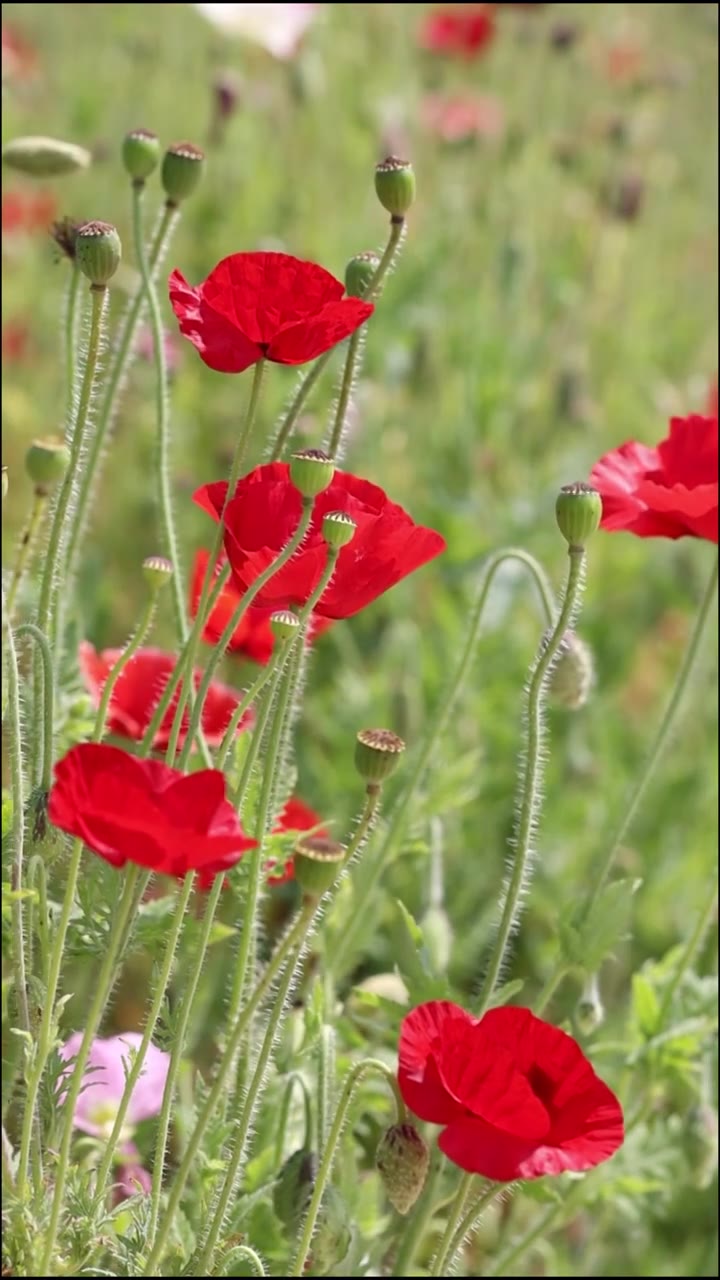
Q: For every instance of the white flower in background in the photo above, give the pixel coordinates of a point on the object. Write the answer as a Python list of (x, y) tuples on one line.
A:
[(277, 27)]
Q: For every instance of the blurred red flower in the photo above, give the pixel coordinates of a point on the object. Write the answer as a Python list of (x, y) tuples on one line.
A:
[(142, 811), (139, 689), (264, 514), (253, 637), (296, 816), (15, 342), (271, 305), (27, 211), (516, 1096), (464, 32), (667, 492), (19, 59), (455, 119)]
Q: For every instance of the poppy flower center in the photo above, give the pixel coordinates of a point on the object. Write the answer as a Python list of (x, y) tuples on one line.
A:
[(542, 1086)]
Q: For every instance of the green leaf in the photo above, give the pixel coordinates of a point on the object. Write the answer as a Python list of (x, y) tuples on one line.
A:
[(588, 944), (646, 1006), (409, 954), (506, 993)]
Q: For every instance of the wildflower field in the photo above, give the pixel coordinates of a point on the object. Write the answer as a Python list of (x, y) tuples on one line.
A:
[(359, 684)]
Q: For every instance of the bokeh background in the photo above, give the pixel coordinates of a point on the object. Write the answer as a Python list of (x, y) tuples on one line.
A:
[(557, 295)]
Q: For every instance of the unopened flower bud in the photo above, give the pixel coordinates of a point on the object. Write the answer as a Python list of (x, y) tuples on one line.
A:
[(332, 1237), (589, 1011), (294, 1187), (182, 169), (338, 529), (98, 251), (572, 675), (141, 152), (402, 1160), (359, 273), (317, 861), (311, 471), (284, 624), (438, 937), (395, 186), (579, 511), (377, 754), (44, 157), (157, 572), (46, 462), (64, 233)]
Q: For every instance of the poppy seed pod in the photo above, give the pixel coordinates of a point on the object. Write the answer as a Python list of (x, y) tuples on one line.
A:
[(377, 754), (46, 462), (395, 185), (359, 273), (182, 168), (578, 510), (140, 153), (98, 252), (311, 471)]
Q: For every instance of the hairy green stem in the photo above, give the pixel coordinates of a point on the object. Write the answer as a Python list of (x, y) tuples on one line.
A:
[(13, 725), (361, 1069), (325, 1082), (92, 1022), (352, 361), (70, 327), (241, 1253), (277, 660), (26, 549), (48, 698), (509, 1259), (530, 786), (162, 412), (401, 813), (469, 1222), (141, 631)]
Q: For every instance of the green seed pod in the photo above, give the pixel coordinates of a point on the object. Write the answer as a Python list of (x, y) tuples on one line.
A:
[(338, 529), (402, 1160), (44, 157), (311, 471), (317, 861), (46, 462), (182, 169), (157, 572), (377, 754), (359, 273), (332, 1237), (572, 675), (98, 252), (294, 1187), (579, 511), (395, 185), (140, 153), (284, 624)]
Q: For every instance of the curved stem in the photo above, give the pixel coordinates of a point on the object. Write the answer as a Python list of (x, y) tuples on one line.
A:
[(530, 787), (26, 548), (241, 1253), (436, 728), (159, 988), (666, 724), (187, 688), (354, 1078), (13, 722), (292, 939), (92, 1022), (143, 627), (169, 535), (124, 351), (41, 640)]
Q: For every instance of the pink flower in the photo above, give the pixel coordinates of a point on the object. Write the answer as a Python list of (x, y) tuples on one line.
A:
[(277, 27), (461, 116), (104, 1082)]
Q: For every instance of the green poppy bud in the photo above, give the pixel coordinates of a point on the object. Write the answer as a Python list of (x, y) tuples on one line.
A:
[(98, 251), (579, 511)]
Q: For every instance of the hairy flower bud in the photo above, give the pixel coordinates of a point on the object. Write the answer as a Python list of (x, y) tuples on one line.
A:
[(140, 153), (359, 273), (395, 185), (402, 1161), (294, 1187), (579, 511), (377, 754), (98, 251), (572, 674), (311, 471), (44, 157), (46, 462), (182, 169), (317, 861)]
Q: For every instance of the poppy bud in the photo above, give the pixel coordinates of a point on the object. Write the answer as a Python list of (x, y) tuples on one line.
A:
[(294, 1187), (572, 675), (44, 157), (317, 861), (284, 624), (332, 1237), (377, 754), (5, 482), (182, 169), (402, 1160), (701, 1145), (98, 252), (395, 185), (359, 273), (311, 471), (140, 154), (157, 572), (338, 529), (438, 937), (589, 1011), (578, 510), (64, 233), (46, 462)]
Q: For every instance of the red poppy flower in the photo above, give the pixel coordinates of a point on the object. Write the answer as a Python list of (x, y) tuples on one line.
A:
[(19, 59), (455, 119), (16, 342), (518, 1098), (264, 514), (465, 32), (264, 304), (667, 492), (142, 811), (253, 637), (138, 691)]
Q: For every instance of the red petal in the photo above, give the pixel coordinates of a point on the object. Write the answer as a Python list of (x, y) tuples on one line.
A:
[(421, 1036), (261, 293), (311, 336), (222, 346)]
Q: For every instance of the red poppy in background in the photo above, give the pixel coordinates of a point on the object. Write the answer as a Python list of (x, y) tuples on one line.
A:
[(265, 512), (271, 305), (27, 211), (516, 1096), (253, 637), (463, 116), (142, 811), (19, 59), (667, 492), (16, 342), (464, 32), (139, 689)]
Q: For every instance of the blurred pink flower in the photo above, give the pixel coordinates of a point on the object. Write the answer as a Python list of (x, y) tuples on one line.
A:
[(462, 116), (145, 348), (277, 27), (19, 60), (104, 1082)]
